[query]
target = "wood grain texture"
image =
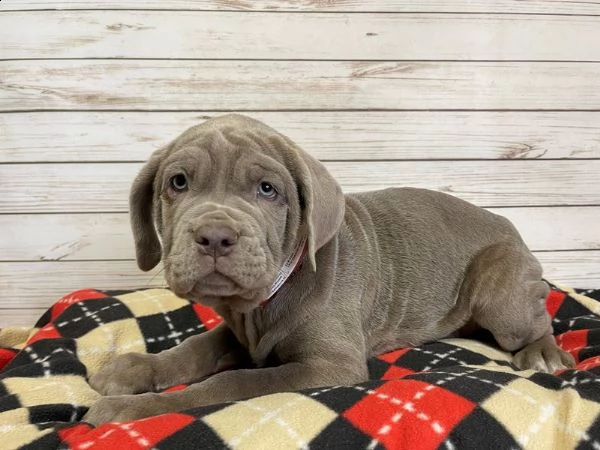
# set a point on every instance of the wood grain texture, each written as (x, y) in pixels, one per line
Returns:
(225, 35)
(20, 317)
(40, 284)
(471, 6)
(497, 102)
(99, 187)
(132, 136)
(309, 85)
(66, 237)
(85, 236)
(577, 269)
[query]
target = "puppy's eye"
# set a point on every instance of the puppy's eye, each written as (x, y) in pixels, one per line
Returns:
(267, 191)
(178, 182)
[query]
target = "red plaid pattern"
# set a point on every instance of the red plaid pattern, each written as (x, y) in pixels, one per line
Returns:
(450, 394)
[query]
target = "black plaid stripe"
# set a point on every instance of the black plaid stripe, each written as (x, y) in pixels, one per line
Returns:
(438, 355)
(596, 372)
(583, 322)
(48, 356)
(591, 293)
(44, 320)
(8, 401)
(340, 398)
(586, 383)
(341, 434)
(473, 384)
(206, 410)
(591, 439)
(3, 390)
(165, 330)
(377, 368)
(547, 381)
(119, 292)
(593, 344)
(195, 435)
(56, 412)
(566, 317)
(49, 441)
(82, 317)
(477, 431)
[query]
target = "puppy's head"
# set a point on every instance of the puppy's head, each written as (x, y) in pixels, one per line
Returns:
(225, 204)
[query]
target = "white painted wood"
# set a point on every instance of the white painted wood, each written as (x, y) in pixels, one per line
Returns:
(132, 136)
(471, 6)
(556, 228)
(506, 131)
(577, 269)
(63, 188)
(20, 317)
(65, 237)
(40, 284)
(225, 35)
(107, 236)
(274, 85)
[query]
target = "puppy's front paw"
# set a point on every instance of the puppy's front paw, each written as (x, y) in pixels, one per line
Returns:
(123, 408)
(543, 355)
(108, 409)
(131, 373)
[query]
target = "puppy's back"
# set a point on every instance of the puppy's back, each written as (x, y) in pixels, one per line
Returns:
(431, 218)
(422, 242)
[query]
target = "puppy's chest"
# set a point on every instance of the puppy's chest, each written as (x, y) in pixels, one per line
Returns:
(253, 335)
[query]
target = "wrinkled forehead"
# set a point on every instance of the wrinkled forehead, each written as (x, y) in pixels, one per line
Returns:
(235, 134)
(221, 147)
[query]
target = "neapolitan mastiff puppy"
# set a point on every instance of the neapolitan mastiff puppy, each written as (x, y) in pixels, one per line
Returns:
(310, 282)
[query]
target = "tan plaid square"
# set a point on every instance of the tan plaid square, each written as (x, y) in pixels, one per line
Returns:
(71, 389)
(281, 421)
(16, 436)
(101, 344)
(152, 301)
(488, 351)
(538, 417)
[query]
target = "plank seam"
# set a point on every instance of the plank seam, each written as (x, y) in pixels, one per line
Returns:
(407, 160)
(300, 110)
(337, 12)
(388, 60)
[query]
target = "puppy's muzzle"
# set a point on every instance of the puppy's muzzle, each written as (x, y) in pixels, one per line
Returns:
(215, 239)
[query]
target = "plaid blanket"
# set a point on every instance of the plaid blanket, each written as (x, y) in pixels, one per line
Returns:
(452, 394)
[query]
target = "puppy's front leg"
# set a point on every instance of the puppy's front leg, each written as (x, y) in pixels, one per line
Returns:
(195, 358)
(225, 386)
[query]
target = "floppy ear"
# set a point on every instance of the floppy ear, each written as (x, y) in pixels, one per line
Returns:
(324, 204)
(141, 206)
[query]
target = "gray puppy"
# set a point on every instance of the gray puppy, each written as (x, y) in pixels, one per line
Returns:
(310, 282)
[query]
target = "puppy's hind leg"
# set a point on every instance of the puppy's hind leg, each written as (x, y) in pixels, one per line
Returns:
(508, 297)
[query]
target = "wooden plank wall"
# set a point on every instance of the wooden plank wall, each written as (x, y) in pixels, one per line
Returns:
(497, 102)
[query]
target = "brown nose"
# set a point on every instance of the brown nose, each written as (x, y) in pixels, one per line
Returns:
(217, 240)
